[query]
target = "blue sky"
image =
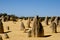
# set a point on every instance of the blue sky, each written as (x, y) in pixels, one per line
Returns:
(30, 7)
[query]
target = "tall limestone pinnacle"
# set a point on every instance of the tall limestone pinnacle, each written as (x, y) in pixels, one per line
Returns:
(37, 28)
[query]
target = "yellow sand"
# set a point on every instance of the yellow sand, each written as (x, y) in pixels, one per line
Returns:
(16, 34)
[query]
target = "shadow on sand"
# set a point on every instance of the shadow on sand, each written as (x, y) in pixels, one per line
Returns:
(46, 36)
(57, 32)
(7, 32)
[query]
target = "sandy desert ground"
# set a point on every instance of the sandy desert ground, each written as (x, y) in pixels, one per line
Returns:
(16, 34)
